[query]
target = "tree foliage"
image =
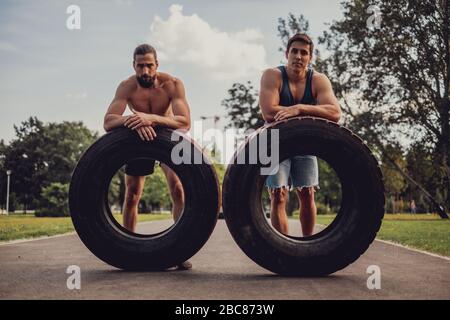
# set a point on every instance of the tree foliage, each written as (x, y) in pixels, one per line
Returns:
(393, 81)
(156, 193)
(242, 107)
(54, 201)
(42, 154)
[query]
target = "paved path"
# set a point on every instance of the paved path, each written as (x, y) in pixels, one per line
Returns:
(37, 270)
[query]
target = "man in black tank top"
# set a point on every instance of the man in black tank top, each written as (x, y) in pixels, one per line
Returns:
(290, 91)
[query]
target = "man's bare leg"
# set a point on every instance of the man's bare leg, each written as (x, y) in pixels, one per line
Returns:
(308, 210)
(133, 192)
(177, 196)
(176, 192)
(278, 216)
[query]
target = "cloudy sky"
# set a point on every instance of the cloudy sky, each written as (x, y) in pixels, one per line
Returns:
(59, 74)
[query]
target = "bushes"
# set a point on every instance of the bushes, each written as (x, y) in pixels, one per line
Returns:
(55, 201)
(323, 208)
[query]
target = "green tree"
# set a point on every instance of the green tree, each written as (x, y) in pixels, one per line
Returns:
(116, 192)
(394, 80)
(25, 162)
(42, 154)
(330, 192)
(420, 168)
(290, 26)
(394, 183)
(3, 175)
(242, 107)
(156, 193)
(55, 202)
(64, 144)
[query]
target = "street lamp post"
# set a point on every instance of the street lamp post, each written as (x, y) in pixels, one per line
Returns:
(8, 172)
(216, 119)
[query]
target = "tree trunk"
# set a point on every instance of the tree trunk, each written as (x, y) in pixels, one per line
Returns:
(445, 114)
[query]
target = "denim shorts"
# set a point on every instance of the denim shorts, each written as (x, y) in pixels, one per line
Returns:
(303, 172)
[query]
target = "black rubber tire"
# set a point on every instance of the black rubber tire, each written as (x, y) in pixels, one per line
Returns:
(353, 229)
(113, 244)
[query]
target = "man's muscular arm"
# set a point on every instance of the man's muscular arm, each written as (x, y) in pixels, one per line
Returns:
(114, 116)
(181, 113)
(326, 101)
(269, 98)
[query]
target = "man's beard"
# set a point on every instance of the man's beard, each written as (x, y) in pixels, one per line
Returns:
(146, 81)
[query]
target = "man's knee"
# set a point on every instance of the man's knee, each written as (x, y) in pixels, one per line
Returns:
(132, 196)
(278, 195)
(306, 192)
(306, 195)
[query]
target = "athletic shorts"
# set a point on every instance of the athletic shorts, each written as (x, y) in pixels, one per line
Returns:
(140, 167)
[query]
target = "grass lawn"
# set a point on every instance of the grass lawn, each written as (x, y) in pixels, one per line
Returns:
(19, 226)
(422, 231)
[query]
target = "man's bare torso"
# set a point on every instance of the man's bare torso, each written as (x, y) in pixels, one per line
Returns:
(155, 100)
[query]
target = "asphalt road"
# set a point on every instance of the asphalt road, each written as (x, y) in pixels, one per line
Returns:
(37, 270)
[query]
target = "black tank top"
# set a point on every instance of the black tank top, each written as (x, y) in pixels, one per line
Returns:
(286, 97)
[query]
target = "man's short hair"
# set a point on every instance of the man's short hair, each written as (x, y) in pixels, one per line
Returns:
(143, 49)
(301, 37)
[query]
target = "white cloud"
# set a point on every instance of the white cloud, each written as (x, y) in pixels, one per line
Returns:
(223, 55)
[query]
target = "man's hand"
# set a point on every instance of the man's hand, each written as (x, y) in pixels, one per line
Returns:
(146, 133)
(138, 120)
(287, 112)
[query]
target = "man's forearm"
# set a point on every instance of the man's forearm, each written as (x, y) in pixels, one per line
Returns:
(113, 121)
(327, 111)
(175, 122)
(270, 116)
